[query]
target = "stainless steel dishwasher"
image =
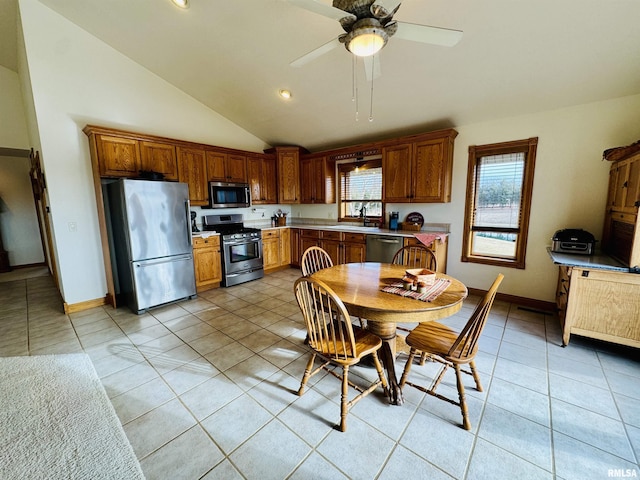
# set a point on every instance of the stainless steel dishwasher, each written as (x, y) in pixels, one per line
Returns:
(382, 248)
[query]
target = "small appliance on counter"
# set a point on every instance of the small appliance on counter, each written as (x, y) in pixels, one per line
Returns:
(573, 240)
(393, 220)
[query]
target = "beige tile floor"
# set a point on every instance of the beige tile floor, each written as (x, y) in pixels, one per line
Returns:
(206, 389)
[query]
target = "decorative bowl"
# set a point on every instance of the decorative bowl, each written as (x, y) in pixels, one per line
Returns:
(421, 275)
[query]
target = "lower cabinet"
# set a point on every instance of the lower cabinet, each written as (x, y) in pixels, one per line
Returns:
(344, 247)
(276, 248)
(600, 304)
(207, 261)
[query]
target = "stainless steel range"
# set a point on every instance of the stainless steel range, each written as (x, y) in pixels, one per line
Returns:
(241, 248)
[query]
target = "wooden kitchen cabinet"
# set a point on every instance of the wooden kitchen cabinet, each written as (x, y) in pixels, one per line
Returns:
(602, 304)
(344, 247)
(285, 246)
(621, 233)
(261, 175)
(419, 170)
(317, 180)
(295, 247)
(207, 262)
(226, 167)
(288, 167)
(192, 170)
(159, 157)
(308, 238)
(276, 248)
(118, 157)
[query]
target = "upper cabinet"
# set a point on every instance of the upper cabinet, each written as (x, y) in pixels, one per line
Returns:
(192, 169)
(288, 167)
(159, 157)
(261, 175)
(317, 179)
(119, 157)
(419, 169)
(226, 167)
(621, 234)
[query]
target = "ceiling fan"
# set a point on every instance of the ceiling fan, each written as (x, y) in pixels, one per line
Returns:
(368, 25)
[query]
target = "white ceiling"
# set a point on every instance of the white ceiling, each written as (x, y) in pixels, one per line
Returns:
(515, 57)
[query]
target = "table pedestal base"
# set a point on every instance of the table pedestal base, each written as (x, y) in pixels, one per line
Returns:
(387, 332)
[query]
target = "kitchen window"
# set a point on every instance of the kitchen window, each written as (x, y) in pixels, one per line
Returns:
(499, 184)
(360, 188)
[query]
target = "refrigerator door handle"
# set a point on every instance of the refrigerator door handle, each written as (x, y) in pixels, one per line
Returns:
(156, 261)
(187, 209)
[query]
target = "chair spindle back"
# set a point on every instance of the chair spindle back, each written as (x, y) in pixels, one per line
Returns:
(314, 259)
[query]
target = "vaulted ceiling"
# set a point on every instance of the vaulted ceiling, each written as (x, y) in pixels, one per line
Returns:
(515, 57)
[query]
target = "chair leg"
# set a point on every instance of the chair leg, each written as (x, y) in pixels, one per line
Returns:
(476, 377)
(423, 357)
(307, 374)
(383, 379)
(344, 401)
(463, 403)
(407, 367)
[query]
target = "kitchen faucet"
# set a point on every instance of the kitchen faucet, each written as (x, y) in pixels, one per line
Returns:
(363, 214)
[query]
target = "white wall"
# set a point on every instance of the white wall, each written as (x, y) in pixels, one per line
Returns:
(569, 190)
(18, 221)
(20, 232)
(77, 80)
(13, 127)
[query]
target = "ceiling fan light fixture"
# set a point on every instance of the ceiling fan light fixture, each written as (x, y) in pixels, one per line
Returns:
(366, 38)
(181, 3)
(366, 44)
(286, 94)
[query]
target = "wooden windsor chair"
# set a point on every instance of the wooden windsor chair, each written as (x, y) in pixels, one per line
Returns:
(443, 344)
(334, 339)
(416, 256)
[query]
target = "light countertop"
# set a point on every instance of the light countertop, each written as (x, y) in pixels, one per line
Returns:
(597, 261)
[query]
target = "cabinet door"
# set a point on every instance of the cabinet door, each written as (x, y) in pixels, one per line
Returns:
(333, 248)
(206, 257)
(192, 170)
(159, 157)
(396, 173)
(236, 168)
(285, 246)
(254, 178)
(216, 166)
(288, 175)
(271, 252)
(431, 169)
(632, 186)
(307, 181)
(268, 184)
(296, 252)
(118, 157)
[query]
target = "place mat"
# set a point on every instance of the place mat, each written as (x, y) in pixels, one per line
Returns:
(440, 285)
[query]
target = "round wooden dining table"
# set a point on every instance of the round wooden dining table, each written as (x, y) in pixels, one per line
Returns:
(359, 286)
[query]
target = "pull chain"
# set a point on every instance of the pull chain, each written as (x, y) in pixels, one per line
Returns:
(373, 60)
(354, 86)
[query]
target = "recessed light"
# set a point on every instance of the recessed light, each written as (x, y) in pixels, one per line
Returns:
(181, 3)
(286, 94)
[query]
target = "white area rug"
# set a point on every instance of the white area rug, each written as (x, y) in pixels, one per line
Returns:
(56, 422)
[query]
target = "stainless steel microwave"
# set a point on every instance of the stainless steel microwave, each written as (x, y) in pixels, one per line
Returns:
(229, 195)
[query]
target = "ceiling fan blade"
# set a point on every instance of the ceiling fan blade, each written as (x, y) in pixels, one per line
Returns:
(383, 8)
(372, 67)
(426, 34)
(313, 54)
(323, 9)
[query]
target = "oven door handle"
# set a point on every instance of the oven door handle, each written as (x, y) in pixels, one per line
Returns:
(241, 242)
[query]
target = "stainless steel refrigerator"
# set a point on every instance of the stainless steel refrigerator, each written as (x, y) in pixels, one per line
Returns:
(150, 236)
